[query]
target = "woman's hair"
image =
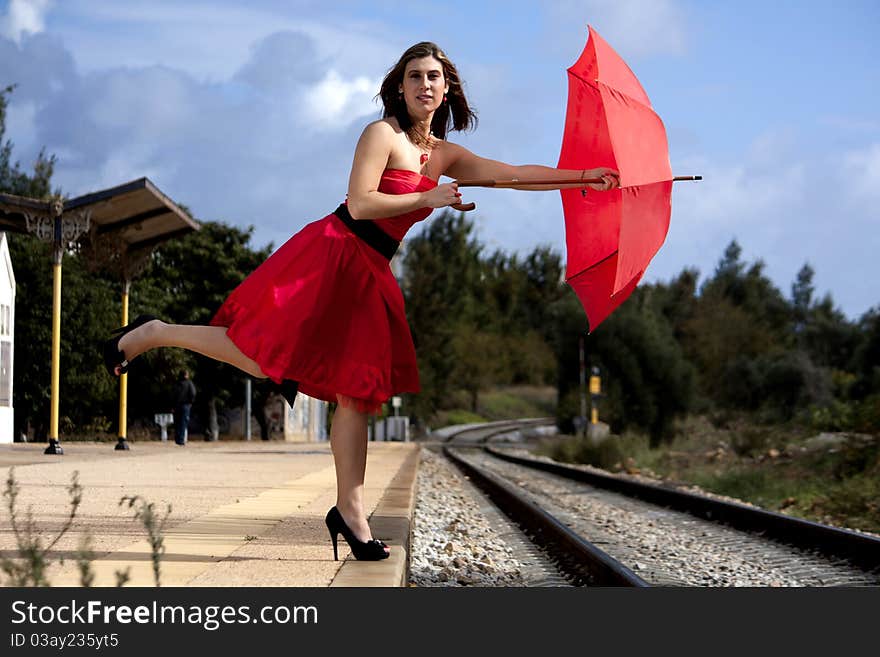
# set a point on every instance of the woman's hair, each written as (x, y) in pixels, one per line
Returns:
(454, 114)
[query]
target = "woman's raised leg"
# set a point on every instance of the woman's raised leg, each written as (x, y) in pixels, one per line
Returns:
(210, 341)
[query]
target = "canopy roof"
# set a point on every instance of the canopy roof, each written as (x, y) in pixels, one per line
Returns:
(136, 213)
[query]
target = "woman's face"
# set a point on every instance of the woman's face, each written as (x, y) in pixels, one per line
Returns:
(423, 85)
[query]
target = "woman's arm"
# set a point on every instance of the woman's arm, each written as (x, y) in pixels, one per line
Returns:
(461, 164)
(370, 159)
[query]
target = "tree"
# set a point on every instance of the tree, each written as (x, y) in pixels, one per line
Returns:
(651, 381)
(829, 337)
(866, 360)
(441, 272)
(186, 282)
(479, 360)
(802, 298)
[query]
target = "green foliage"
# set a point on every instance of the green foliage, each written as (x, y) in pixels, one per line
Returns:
(458, 416)
(646, 381)
(28, 566)
(185, 282)
(606, 454)
(517, 401)
(866, 359)
(477, 321)
(441, 270)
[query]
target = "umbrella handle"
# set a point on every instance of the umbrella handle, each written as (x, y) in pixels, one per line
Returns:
(516, 182)
(464, 207)
(503, 184)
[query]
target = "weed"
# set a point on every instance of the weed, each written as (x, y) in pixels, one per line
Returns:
(84, 558)
(145, 512)
(123, 576)
(29, 568)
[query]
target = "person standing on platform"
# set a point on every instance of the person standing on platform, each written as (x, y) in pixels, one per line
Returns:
(184, 396)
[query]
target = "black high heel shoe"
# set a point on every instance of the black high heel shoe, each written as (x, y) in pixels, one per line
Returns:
(113, 357)
(372, 550)
(287, 389)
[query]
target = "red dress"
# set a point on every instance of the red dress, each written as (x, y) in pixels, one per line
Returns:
(325, 310)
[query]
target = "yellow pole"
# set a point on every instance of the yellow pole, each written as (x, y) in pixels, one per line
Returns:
(595, 390)
(56, 349)
(123, 379)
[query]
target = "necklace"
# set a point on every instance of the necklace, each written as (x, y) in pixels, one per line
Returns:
(422, 143)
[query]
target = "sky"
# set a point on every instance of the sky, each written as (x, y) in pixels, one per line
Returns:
(249, 112)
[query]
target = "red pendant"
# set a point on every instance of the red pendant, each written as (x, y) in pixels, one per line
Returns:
(423, 158)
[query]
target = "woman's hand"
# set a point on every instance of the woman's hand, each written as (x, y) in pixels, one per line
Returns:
(610, 177)
(442, 195)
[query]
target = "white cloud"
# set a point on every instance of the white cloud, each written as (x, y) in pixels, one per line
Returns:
(739, 195)
(335, 99)
(24, 17)
(862, 172)
(212, 41)
(20, 124)
(636, 28)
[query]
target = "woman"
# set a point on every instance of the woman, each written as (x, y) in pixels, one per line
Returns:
(324, 312)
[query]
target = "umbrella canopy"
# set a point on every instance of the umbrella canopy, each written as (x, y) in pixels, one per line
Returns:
(612, 236)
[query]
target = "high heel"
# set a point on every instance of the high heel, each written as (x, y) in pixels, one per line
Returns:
(287, 388)
(114, 358)
(372, 550)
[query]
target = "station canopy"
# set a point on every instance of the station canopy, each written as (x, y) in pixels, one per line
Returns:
(115, 224)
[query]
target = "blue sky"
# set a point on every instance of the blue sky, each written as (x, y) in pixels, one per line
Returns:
(248, 112)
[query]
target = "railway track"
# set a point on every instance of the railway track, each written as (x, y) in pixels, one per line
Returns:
(608, 530)
(483, 432)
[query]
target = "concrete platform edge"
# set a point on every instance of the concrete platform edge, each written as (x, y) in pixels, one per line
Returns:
(391, 521)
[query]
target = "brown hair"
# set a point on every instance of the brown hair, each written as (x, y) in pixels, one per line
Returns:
(454, 114)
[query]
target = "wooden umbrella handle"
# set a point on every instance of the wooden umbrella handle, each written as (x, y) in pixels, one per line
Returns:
(515, 182)
(506, 184)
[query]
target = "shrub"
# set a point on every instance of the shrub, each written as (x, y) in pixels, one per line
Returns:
(837, 416)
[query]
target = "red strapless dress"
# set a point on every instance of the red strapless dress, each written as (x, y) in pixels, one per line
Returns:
(326, 311)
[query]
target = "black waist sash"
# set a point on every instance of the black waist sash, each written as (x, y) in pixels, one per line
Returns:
(369, 232)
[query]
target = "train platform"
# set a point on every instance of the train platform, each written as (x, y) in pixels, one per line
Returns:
(242, 513)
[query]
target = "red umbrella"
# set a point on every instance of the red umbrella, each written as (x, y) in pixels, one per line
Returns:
(610, 236)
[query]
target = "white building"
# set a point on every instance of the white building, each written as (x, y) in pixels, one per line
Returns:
(306, 421)
(7, 340)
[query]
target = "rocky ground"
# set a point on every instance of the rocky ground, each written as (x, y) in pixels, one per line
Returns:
(453, 543)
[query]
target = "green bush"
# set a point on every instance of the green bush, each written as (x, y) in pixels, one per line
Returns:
(837, 416)
(501, 405)
(868, 415)
(576, 449)
(456, 416)
(751, 442)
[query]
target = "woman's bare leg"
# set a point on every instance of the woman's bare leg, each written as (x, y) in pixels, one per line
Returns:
(348, 435)
(348, 438)
(210, 341)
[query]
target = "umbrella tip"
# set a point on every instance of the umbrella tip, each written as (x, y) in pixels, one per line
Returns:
(698, 177)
